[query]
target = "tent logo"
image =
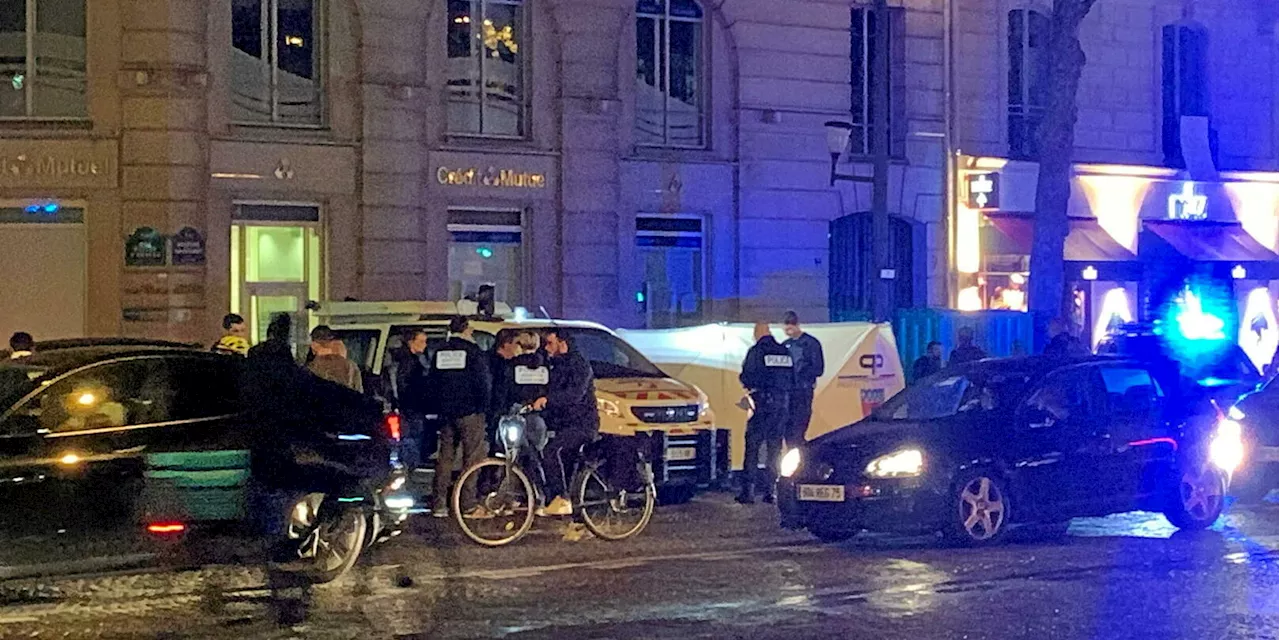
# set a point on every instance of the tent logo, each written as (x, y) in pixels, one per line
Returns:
(871, 361)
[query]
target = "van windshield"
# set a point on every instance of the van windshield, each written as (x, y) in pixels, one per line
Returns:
(610, 356)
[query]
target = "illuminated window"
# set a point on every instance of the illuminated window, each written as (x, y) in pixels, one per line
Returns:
(862, 33)
(670, 102)
(42, 58)
(275, 62)
(1028, 80)
(1182, 84)
(486, 67)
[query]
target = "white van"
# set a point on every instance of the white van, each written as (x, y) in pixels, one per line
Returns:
(634, 397)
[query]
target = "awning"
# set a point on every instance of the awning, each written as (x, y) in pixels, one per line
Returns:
(1209, 242)
(1008, 235)
(1086, 240)
(1089, 242)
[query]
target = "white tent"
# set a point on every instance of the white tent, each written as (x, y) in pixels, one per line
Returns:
(863, 370)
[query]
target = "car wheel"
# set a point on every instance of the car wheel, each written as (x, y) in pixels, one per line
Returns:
(1198, 501)
(827, 534)
(981, 509)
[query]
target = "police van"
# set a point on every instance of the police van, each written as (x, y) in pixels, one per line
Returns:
(634, 397)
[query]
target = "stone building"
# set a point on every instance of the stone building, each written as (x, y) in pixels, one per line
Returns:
(639, 163)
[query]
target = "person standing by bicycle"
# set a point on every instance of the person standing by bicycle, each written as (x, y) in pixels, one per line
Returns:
(768, 376)
(520, 376)
(459, 377)
(570, 409)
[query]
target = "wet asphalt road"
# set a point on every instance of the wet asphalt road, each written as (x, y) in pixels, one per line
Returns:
(713, 569)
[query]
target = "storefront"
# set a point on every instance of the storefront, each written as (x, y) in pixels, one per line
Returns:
(281, 230)
(59, 210)
(1140, 239)
(501, 222)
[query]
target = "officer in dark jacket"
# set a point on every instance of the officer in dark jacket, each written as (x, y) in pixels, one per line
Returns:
(768, 376)
(570, 410)
(461, 387)
(806, 354)
(520, 372)
(406, 384)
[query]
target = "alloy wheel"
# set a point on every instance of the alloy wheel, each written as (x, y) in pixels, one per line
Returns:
(1201, 494)
(982, 508)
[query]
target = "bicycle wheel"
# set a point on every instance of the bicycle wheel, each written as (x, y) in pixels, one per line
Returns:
(507, 497)
(612, 514)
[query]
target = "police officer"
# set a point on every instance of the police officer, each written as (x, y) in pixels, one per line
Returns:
(806, 354)
(459, 377)
(768, 376)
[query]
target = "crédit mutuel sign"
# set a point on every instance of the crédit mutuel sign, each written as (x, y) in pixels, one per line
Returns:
(490, 177)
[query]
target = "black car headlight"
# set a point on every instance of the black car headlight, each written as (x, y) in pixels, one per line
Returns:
(905, 463)
(790, 463)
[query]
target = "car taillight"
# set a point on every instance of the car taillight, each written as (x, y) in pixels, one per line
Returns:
(166, 527)
(393, 426)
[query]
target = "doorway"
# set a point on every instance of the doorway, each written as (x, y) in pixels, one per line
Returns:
(671, 253)
(275, 266)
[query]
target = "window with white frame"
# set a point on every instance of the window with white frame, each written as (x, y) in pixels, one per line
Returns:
(276, 64)
(1184, 90)
(670, 87)
(1028, 80)
(863, 58)
(42, 59)
(486, 67)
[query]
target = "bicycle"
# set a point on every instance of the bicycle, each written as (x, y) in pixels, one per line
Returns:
(510, 498)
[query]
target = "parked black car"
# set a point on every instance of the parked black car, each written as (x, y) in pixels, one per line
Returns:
(1258, 415)
(122, 447)
(977, 449)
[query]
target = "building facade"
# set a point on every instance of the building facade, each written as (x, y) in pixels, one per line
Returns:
(642, 163)
(635, 162)
(1176, 195)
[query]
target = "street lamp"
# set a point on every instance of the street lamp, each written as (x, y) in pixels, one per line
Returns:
(838, 134)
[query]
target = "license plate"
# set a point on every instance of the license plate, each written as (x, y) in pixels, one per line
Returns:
(682, 453)
(1268, 454)
(822, 493)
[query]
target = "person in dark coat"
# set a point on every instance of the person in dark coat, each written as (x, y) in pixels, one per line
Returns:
(768, 376)
(570, 410)
(1061, 341)
(806, 354)
(406, 381)
(966, 350)
(929, 363)
(462, 388)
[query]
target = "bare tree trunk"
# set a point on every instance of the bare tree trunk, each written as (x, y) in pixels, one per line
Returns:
(1048, 293)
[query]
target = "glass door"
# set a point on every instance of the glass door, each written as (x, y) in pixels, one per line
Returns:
(275, 269)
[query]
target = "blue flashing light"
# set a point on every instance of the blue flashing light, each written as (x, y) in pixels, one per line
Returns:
(48, 207)
(640, 297)
(52, 207)
(1194, 323)
(484, 252)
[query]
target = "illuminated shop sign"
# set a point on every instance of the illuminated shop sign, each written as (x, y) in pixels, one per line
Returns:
(984, 190)
(1187, 204)
(490, 177)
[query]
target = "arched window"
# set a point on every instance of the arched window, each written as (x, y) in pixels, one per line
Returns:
(1183, 85)
(1028, 80)
(670, 105)
(486, 67)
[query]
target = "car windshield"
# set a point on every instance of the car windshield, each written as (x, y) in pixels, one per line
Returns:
(949, 393)
(610, 356)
